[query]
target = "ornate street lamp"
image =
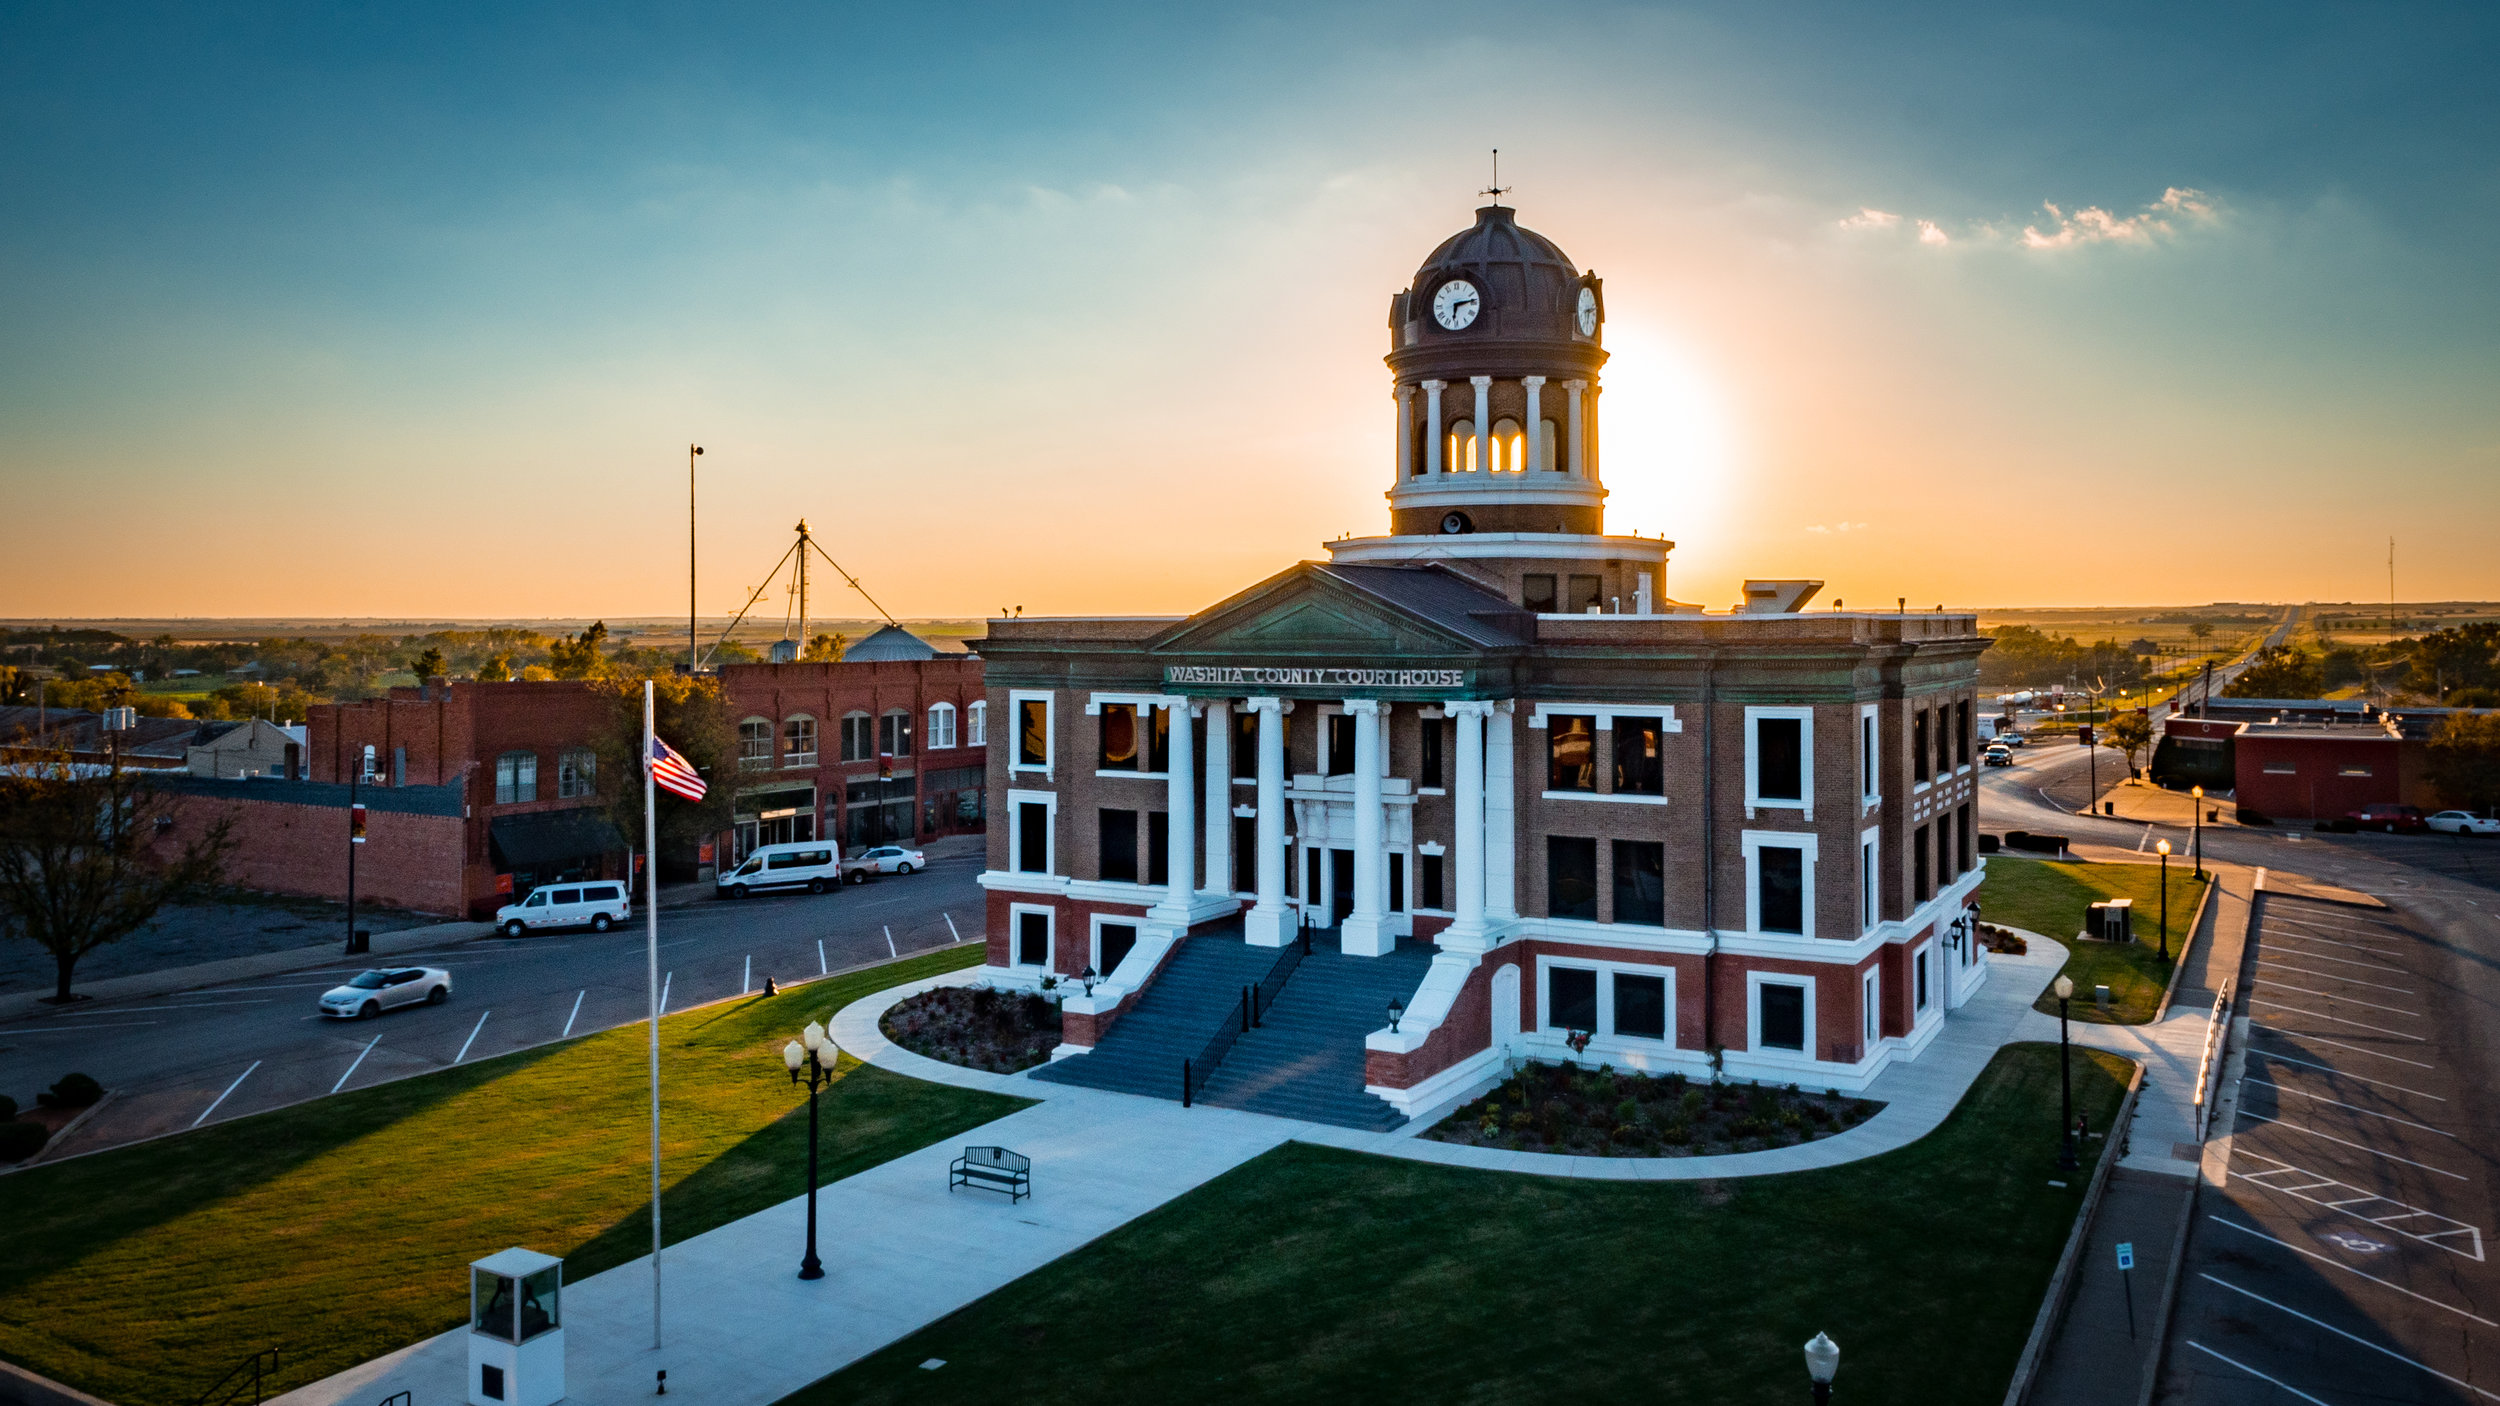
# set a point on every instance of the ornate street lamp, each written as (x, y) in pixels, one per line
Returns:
(1397, 1009)
(1822, 1364)
(2162, 848)
(2065, 989)
(2198, 794)
(814, 1054)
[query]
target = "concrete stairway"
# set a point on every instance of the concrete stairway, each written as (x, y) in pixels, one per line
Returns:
(1195, 994)
(1305, 1059)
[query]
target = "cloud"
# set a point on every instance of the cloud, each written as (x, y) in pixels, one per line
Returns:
(1871, 218)
(2178, 208)
(1826, 529)
(1928, 233)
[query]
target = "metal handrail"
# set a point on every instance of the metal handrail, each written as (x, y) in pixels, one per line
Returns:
(2217, 1028)
(1263, 996)
(1196, 1072)
(234, 1383)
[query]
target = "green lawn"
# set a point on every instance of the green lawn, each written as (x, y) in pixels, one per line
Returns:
(1313, 1274)
(337, 1230)
(2049, 897)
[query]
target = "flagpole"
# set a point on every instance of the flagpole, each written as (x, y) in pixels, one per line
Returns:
(651, 946)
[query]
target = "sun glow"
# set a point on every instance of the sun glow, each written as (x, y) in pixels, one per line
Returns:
(1667, 439)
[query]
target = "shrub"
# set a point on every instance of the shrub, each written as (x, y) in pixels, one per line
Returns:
(74, 1091)
(21, 1140)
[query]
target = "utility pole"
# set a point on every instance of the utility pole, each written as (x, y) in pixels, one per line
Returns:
(2391, 585)
(693, 452)
(804, 542)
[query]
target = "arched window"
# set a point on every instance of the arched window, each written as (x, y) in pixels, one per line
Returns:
(859, 737)
(516, 778)
(577, 773)
(798, 740)
(1460, 453)
(941, 725)
(755, 744)
(977, 725)
(1510, 447)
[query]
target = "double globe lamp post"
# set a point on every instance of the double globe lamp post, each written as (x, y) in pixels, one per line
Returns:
(810, 1059)
(2162, 848)
(2065, 989)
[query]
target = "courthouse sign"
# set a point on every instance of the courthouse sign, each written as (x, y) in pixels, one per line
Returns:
(1251, 677)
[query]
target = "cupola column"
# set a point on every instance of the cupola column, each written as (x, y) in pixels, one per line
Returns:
(1432, 415)
(1597, 433)
(1406, 432)
(1579, 438)
(1269, 923)
(1484, 422)
(1366, 932)
(1536, 423)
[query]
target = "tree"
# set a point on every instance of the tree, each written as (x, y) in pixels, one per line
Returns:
(2278, 671)
(577, 656)
(825, 649)
(497, 669)
(2129, 732)
(2203, 630)
(431, 664)
(80, 861)
(2465, 759)
(693, 716)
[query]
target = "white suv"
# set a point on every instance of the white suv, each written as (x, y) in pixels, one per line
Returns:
(598, 904)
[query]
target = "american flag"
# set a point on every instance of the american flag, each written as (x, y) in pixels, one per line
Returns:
(673, 773)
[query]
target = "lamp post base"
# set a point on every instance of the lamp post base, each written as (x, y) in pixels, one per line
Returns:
(811, 1268)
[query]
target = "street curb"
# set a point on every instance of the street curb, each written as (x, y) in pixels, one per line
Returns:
(20, 1387)
(54, 1141)
(2062, 1283)
(2178, 965)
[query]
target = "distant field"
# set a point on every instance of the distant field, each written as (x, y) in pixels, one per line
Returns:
(657, 633)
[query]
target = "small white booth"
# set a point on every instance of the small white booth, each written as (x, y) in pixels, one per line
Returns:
(516, 1329)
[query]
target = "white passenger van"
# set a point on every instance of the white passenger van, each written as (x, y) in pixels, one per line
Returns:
(814, 865)
(597, 904)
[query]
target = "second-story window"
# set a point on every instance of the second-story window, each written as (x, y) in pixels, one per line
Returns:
(1640, 757)
(894, 734)
(798, 741)
(1570, 752)
(941, 725)
(1918, 747)
(1033, 732)
(755, 745)
(1119, 738)
(1779, 751)
(1961, 733)
(1428, 772)
(977, 725)
(859, 737)
(516, 778)
(577, 773)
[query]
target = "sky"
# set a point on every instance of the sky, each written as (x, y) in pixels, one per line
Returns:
(413, 311)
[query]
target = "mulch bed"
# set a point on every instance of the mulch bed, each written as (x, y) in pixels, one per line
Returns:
(976, 1027)
(1623, 1113)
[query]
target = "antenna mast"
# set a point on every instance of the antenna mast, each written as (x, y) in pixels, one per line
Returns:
(1497, 190)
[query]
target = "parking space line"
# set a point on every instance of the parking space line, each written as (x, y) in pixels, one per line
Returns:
(2339, 1103)
(2276, 1381)
(2322, 957)
(2348, 1269)
(2357, 1146)
(2349, 1000)
(360, 1059)
(266, 986)
(576, 1015)
(2339, 1020)
(2363, 1204)
(464, 1045)
(2315, 1038)
(746, 975)
(221, 1098)
(665, 983)
(821, 968)
(2365, 1342)
(2339, 1073)
(2281, 965)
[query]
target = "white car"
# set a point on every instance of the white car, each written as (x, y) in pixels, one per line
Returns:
(598, 904)
(368, 994)
(889, 859)
(2463, 822)
(2012, 739)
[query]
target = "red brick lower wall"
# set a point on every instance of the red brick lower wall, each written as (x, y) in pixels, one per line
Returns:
(1072, 927)
(407, 861)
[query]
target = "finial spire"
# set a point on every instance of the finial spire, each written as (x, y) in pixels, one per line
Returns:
(1497, 190)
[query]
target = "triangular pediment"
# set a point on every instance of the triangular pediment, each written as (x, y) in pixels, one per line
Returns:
(1306, 613)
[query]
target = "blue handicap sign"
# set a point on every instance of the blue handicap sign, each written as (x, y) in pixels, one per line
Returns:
(2126, 1254)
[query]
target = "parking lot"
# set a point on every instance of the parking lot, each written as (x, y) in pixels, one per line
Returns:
(2345, 1258)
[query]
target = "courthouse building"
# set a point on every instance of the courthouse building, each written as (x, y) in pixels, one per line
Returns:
(1485, 754)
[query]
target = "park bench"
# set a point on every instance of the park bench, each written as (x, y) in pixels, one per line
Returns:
(993, 1169)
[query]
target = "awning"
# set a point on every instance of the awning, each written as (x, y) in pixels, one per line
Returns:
(552, 837)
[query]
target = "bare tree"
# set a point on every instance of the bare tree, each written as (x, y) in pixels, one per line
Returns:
(82, 861)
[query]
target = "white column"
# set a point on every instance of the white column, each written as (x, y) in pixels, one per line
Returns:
(1432, 417)
(1466, 932)
(1181, 829)
(1579, 442)
(1269, 924)
(1219, 879)
(1536, 423)
(1501, 898)
(1366, 932)
(1597, 434)
(1484, 422)
(1405, 398)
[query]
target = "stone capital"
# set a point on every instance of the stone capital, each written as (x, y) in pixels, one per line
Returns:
(1480, 380)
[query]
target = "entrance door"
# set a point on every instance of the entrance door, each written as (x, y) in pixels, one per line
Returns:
(1341, 874)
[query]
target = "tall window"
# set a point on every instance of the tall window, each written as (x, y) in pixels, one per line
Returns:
(1780, 894)
(1246, 744)
(1428, 772)
(977, 725)
(1570, 752)
(941, 725)
(1641, 882)
(1866, 756)
(1867, 882)
(1921, 876)
(1032, 837)
(516, 778)
(1640, 763)
(1570, 877)
(1033, 732)
(1779, 750)
(1340, 745)
(859, 737)
(1119, 737)
(755, 744)
(1918, 747)
(1510, 447)
(577, 773)
(1032, 939)
(1158, 848)
(1458, 456)
(1158, 728)
(1944, 740)
(1117, 831)
(798, 740)
(1961, 733)
(1428, 880)
(1537, 593)
(894, 733)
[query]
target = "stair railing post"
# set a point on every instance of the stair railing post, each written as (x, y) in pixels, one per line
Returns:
(1184, 1083)
(1245, 1010)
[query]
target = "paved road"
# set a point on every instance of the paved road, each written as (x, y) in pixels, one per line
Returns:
(224, 1051)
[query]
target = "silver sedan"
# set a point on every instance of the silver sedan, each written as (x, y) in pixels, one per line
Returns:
(369, 993)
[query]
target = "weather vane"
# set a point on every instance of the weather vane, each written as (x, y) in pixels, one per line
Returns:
(1497, 190)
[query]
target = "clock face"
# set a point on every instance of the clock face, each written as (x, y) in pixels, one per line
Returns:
(1588, 312)
(1456, 304)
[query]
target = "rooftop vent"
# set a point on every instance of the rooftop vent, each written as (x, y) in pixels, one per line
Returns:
(1776, 597)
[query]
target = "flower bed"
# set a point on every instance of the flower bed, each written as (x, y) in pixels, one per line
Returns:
(1609, 1113)
(976, 1027)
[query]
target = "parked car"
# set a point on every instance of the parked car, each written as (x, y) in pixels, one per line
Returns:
(889, 859)
(814, 865)
(597, 905)
(2012, 739)
(2463, 822)
(1997, 756)
(369, 993)
(2392, 819)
